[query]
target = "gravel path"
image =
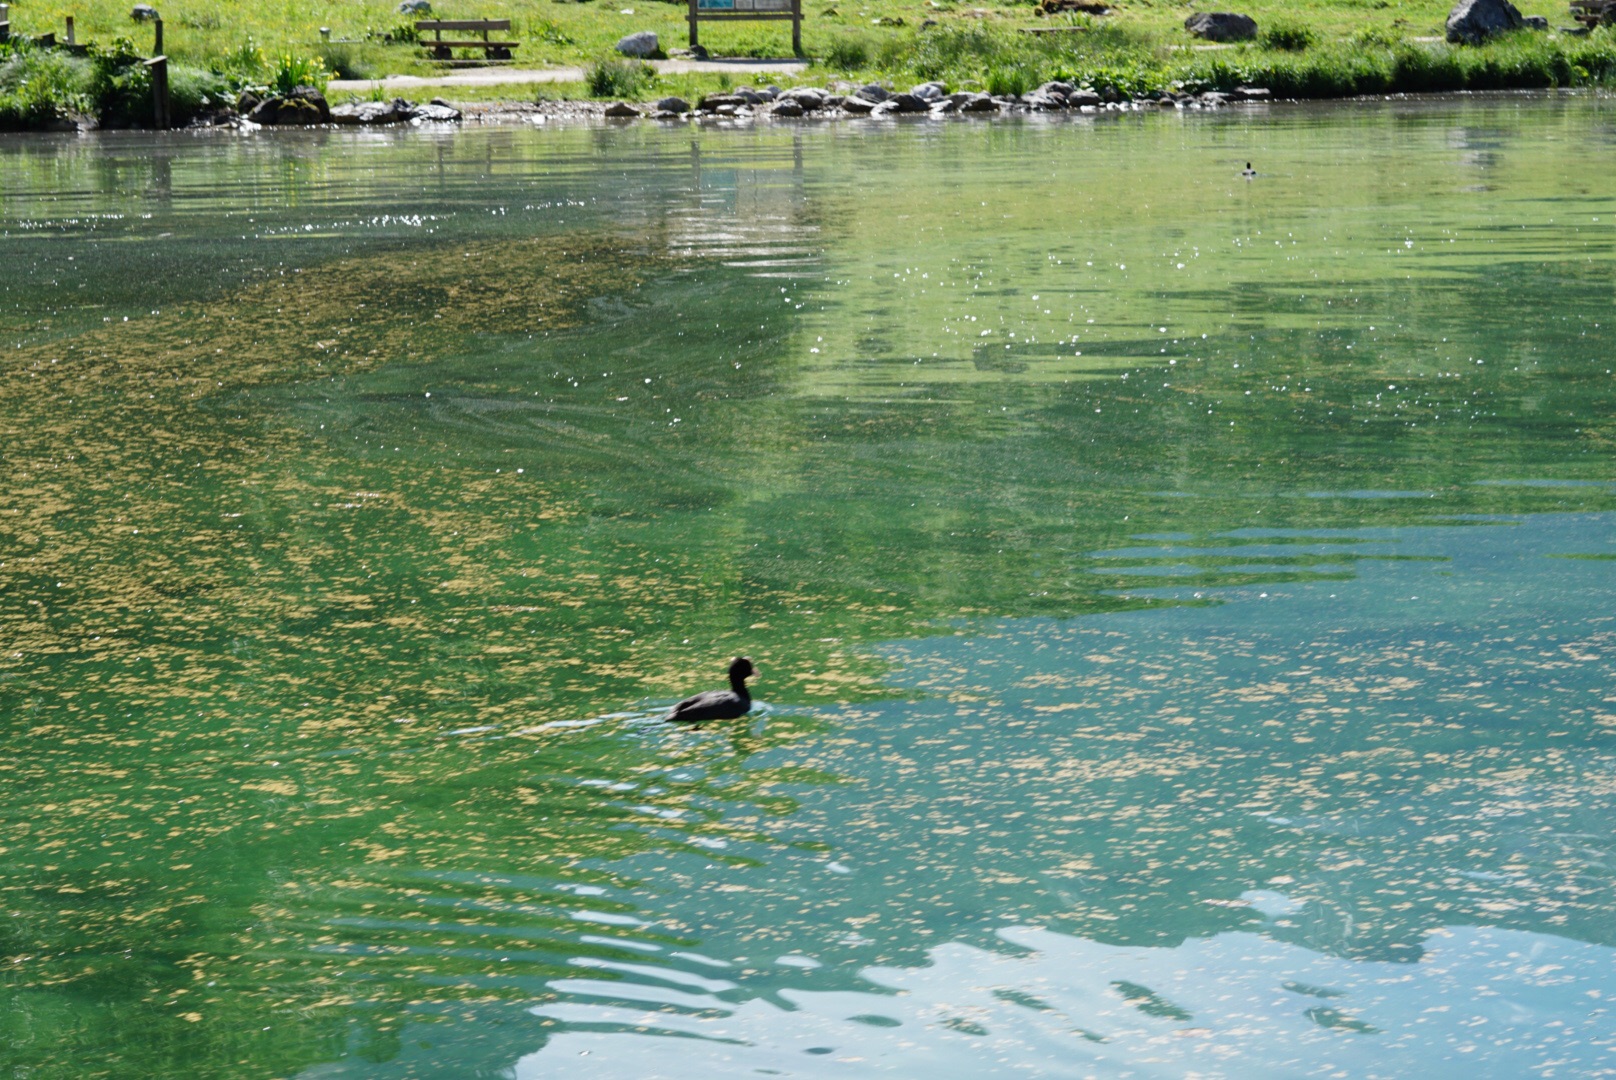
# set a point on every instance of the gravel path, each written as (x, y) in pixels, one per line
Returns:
(496, 76)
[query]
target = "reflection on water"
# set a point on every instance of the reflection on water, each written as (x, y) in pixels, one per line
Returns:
(1182, 603)
(1310, 794)
(1481, 1001)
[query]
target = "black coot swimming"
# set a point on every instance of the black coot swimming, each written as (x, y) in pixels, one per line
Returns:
(718, 704)
(1248, 172)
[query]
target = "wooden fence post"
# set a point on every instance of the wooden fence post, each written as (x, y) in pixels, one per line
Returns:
(158, 66)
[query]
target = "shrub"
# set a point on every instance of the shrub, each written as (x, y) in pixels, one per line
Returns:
(1127, 79)
(38, 87)
(1287, 37)
(192, 91)
(1011, 80)
(847, 54)
(345, 62)
(120, 85)
(1376, 38)
(402, 34)
(289, 72)
(242, 66)
(618, 77)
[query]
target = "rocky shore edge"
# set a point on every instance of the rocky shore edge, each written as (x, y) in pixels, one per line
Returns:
(306, 107)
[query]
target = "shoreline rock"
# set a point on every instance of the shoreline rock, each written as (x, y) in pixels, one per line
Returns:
(816, 105)
(1471, 22)
(1221, 26)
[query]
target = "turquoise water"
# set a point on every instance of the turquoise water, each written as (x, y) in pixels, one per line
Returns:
(1182, 602)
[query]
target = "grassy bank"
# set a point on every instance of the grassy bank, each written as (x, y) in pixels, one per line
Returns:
(1323, 48)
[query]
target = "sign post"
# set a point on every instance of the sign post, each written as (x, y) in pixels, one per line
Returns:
(749, 10)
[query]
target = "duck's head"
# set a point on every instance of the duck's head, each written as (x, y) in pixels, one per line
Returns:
(741, 668)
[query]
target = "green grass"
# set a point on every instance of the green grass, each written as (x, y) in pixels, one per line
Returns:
(1307, 48)
(619, 77)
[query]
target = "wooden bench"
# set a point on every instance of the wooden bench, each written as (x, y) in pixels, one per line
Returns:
(439, 46)
(1591, 13)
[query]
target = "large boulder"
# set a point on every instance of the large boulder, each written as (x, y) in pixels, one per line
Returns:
(1221, 26)
(396, 111)
(437, 111)
(642, 44)
(1473, 21)
(809, 97)
(302, 106)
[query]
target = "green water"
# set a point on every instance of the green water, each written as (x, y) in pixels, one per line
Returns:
(1184, 603)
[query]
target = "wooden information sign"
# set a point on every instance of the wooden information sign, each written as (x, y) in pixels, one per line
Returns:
(754, 10)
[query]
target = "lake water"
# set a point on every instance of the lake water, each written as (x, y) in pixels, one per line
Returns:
(1185, 605)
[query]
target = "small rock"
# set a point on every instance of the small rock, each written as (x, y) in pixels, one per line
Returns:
(1078, 99)
(944, 106)
(714, 102)
(437, 112)
(143, 13)
(786, 107)
(771, 92)
(1221, 26)
(1044, 102)
(809, 97)
(1064, 89)
(908, 103)
(675, 105)
(1250, 93)
(979, 103)
(1473, 21)
(641, 44)
(873, 93)
(1535, 22)
(858, 106)
(729, 110)
(415, 7)
(884, 108)
(929, 91)
(622, 110)
(751, 97)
